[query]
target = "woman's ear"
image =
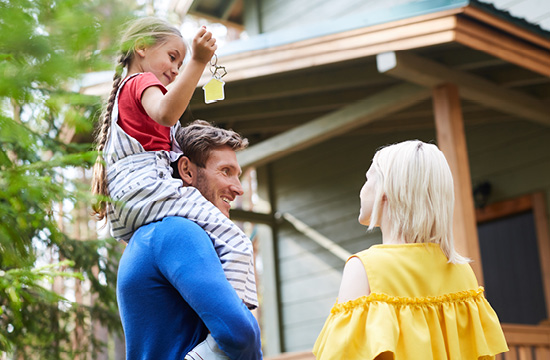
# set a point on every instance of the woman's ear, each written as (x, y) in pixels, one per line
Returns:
(187, 170)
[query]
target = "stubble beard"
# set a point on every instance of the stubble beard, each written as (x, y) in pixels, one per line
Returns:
(202, 186)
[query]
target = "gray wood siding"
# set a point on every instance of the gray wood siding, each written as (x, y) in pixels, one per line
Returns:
(285, 14)
(321, 185)
(514, 158)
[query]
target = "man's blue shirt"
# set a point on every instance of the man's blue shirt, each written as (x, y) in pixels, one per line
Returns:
(172, 291)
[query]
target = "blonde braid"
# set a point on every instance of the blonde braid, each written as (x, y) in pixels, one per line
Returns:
(148, 31)
(99, 178)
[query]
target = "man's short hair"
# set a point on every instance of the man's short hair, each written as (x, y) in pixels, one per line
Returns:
(199, 138)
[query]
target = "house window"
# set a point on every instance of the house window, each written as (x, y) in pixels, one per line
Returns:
(514, 246)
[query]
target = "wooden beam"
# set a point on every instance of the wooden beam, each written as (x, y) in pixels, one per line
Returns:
(237, 111)
(513, 78)
(463, 58)
(316, 80)
(527, 335)
(251, 216)
(336, 123)
(502, 45)
(452, 141)
(504, 208)
(317, 237)
(478, 30)
(411, 33)
(506, 26)
(185, 7)
(229, 5)
(429, 73)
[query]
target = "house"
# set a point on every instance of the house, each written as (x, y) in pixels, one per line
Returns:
(319, 85)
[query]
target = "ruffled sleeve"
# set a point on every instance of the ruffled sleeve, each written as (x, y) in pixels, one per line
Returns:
(455, 326)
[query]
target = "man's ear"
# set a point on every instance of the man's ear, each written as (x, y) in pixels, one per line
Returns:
(187, 170)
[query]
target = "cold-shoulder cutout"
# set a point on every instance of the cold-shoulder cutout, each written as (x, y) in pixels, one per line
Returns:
(355, 281)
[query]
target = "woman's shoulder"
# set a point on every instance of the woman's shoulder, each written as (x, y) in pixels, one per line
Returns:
(354, 281)
(365, 252)
(399, 250)
(369, 253)
(364, 258)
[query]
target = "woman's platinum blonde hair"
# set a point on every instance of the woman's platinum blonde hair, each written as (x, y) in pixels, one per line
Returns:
(416, 181)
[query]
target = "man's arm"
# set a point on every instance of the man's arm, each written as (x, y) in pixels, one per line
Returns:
(191, 264)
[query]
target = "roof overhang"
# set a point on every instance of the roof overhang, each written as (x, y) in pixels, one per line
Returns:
(278, 52)
(278, 82)
(278, 91)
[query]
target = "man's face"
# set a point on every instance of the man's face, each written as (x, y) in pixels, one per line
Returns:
(219, 180)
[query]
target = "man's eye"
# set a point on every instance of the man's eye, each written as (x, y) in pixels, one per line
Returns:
(172, 57)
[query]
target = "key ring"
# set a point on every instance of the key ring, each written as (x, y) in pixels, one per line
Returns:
(214, 68)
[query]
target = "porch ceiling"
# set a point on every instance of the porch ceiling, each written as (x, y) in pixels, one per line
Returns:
(289, 96)
(262, 107)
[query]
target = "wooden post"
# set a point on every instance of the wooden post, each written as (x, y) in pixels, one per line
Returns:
(272, 319)
(452, 141)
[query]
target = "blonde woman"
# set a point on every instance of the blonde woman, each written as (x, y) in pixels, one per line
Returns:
(413, 296)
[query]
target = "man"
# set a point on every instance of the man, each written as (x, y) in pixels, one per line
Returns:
(171, 288)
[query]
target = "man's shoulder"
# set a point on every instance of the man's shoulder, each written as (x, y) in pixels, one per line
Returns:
(170, 235)
(171, 224)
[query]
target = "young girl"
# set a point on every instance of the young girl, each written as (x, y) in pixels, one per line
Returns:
(136, 141)
(414, 296)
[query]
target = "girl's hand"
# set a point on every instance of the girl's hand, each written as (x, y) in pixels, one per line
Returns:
(204, 46)
(166, 109)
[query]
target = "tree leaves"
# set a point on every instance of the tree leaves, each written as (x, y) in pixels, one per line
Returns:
(45, 47)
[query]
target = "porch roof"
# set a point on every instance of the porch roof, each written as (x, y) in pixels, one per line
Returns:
(379, 15)
(273, 89)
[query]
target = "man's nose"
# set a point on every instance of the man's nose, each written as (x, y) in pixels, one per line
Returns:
(237, 188)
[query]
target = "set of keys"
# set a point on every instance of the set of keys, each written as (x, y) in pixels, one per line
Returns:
(214, 88)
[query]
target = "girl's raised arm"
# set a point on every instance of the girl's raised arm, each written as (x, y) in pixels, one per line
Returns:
(166, 109)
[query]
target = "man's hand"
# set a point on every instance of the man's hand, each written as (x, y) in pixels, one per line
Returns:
(204, 46)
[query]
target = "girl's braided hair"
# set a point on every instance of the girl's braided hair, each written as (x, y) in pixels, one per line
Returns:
(140, 33)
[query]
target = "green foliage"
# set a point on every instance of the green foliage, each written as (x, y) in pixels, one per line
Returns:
(45, 47)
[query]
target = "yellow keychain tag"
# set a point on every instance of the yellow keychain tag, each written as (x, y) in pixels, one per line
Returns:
(214, 88)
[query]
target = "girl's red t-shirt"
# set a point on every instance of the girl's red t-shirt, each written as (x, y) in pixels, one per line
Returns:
(133, 118)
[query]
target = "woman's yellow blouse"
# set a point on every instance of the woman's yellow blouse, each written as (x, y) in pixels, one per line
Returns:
(420, 307)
